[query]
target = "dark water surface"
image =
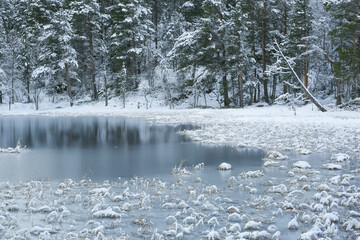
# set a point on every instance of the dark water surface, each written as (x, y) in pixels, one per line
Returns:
(104, 148)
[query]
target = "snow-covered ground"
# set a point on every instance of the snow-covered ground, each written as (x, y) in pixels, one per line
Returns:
(302, 129)
(307, 188)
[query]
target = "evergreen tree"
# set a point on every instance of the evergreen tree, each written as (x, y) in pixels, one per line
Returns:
(132, 30)
(346, 38)
(301, 38)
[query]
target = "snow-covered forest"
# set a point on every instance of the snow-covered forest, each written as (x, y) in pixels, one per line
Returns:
(179, 50)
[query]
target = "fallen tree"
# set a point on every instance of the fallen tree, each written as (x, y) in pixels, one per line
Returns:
(306, 91)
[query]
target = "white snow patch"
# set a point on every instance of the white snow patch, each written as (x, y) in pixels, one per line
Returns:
(224, 166)
(332, 166)
(301, 165)
(340, 157)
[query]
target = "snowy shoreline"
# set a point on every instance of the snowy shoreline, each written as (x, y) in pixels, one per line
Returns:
(278, 128)
(297, 197)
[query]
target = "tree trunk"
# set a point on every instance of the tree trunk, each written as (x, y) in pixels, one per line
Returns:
(223, 63)
(95, 96)
(67, 78)
(251, 96)
(265, 80)
(354, 80)
(28, 89)
(240, 93)
(105, 90)
(338, 92)
(155, 11)
(273, 94)
(1, 101)
(255, 95)
(134, 59)
(285, 18)
(226, 91)
(12, 79)
(284, 88)
(306, 71)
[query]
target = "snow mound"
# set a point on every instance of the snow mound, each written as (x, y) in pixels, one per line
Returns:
(303, 151)
(252, 225)
(275, 155)
(213, 235)
(224, 166)
(340, 157)
(199, 166)
(252, 174)
(331, 166)
(301, 164)
(17, 149)
(107, 213)
(278, 189)
(293, 224)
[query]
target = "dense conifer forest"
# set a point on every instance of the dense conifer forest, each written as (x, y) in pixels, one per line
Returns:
(197, 49)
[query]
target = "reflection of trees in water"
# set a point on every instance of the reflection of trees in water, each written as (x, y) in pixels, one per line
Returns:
(81, 132)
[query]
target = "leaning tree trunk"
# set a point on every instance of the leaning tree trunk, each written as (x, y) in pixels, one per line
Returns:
(306, 91)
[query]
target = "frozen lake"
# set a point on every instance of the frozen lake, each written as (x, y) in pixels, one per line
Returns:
(105, 148)
(133, 194)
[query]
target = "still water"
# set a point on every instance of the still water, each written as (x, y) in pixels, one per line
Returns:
(105, 148)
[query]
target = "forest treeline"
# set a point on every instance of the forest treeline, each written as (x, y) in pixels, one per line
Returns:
(101, 49)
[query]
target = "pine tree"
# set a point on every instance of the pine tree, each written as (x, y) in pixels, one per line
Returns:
(88, 12)
(346, 37)
(301, 38)
(132, 31)
(58, 57)
(239, 51)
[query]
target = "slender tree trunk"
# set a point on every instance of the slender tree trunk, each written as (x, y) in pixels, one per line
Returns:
(354, 80)
(12, 79)
(67, 78)
(285, 90)
(204, 94)
(226, 91)
(306, 71)
(285, 18)
(224, 79)
(255, 95)
(95, 96)
(194, 85)
(240, 93)
(251, 96)
(28, 89)
(258, 92)
(265, 80)
(1, 97)
(273, 95)
(105, 90)
(135, 59)
(338, 92)
(155, 11)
